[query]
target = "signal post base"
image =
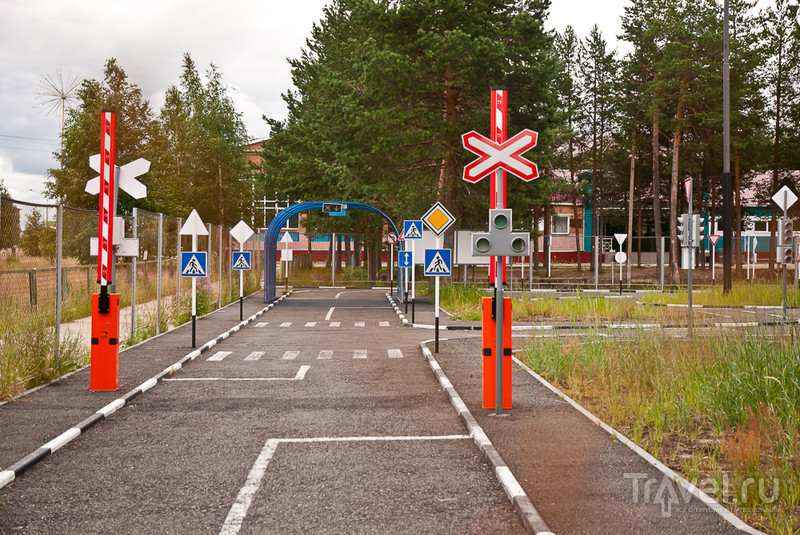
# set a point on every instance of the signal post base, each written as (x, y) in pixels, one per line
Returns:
(104, 367)
(489, 334)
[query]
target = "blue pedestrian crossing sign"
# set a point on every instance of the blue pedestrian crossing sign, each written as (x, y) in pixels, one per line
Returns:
(438, 263)
(405, 259)
(412, 229)
(241, 260)
(194, 264)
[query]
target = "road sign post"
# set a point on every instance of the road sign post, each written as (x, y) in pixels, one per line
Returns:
(785, 198)
(437, 261)
(194, 227)
(713, 238)
(241, 233)
(412, 230)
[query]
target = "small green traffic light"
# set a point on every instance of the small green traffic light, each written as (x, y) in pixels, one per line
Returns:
(500, 220)
(483, 245)
(518, 245)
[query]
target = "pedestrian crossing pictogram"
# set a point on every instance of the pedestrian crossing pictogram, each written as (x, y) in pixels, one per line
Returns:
(438, 263)
(241, 260)
(193, 264)
(412, 229)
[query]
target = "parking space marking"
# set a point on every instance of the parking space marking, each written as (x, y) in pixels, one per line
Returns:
(255, 355)
(360, 354)
(238, 512)
(335, 323)
(290, 355)
(286, 324)
(218, 356)
(395, 354)
(325, 354)
(299, 376)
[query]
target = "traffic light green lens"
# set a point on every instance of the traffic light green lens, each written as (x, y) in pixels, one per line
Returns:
(517, 245)
(500, 221)
(482, 245)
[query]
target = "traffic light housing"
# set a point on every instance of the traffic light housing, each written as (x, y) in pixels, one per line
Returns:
(500, 241)
(683, 230)
(697, 229)
(785, 234)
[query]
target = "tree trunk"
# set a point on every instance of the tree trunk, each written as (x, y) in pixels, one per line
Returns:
(657, 193)
(775, 163)
(675, 248)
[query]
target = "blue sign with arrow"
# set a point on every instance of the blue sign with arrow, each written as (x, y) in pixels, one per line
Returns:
(405, 259)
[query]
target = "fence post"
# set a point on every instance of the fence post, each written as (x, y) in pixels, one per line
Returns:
(135, 232)
(158, 273)
(59, 274)
(32, 287)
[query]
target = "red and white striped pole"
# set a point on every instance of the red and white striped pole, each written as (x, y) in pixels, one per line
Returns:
(499, 132)
(105, 256)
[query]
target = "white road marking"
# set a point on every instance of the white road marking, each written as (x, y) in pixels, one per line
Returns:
(395, 354)
(218, 356)
(286, 324)
(255, 355)
(360, 354)
(262, 324)
(384, 324)
(335, 323)
(238, 512)
(329, 314)
(325, 354)
(290, 355)
(299, 376)
(311, 324)
(359, 324)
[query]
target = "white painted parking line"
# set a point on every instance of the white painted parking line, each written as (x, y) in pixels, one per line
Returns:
(286, 324)
(311, 324)
(329, 314)
(299, 376)
(238, 512)
(255, 355)
(384, 324)
(360, 354)
(262, 324)
(395, 354)
(325, 354)
(335, 323)
(290, 355)
(218, 356)
(359, 324)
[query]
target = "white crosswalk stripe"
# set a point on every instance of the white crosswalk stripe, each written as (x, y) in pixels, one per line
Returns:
(286, 324)
(335, 323)
(360, 354)
(325, 354)
(290, 355)
(395, 354)
(255, 355)
(359, 324)
(384, 324)
(262, 324)
(311, 324)
(219, 355)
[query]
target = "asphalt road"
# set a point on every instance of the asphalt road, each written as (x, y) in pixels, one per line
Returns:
(320, 417)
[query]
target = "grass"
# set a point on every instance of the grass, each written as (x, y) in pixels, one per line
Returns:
(723, 407)
(755, 294)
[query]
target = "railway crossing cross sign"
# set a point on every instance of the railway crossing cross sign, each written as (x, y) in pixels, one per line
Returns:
(506, 155)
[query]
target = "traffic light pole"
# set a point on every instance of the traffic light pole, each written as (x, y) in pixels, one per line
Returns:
(690, 236)
(499, 305)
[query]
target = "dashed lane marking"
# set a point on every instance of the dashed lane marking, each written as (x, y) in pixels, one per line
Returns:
(218, 356)
(262, 324)
(329, 314)
(311, 324)
(336, 323)
(384, 324)
(290, 355)
(286, 324)
(360, 324)
(360, 354)
(325, 354)
(255, 355)
(395, 354)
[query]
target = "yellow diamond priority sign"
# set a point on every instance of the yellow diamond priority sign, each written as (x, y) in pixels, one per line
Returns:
(438, 219)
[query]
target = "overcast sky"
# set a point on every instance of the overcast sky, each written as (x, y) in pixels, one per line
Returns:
(249, 40)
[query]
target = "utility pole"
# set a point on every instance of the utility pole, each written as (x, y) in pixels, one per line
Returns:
(727, 190)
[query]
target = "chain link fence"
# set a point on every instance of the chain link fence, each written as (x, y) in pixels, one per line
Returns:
(47, 275)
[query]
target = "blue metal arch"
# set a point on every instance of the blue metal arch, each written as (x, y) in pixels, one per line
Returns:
(274, 230)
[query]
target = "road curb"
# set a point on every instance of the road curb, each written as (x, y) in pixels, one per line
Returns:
(712, 504)
(530, 517)
(18, 468)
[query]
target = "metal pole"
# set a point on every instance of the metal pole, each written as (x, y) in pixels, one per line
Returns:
(178, 275)
(334, 243)
(158, 271)
(135, 267)
(60, 277)
(690, 236)
(413, 279)
(727, 189)
(241, 288)
(661, 274)
(499, 306)
(219, 262)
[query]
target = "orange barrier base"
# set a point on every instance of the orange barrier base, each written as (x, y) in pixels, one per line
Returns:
(104, 368)
(489, 330)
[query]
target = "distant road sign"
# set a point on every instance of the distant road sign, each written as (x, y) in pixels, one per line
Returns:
(785, 198)
(713, 238)
(333, 208)
(194, 264)
(241, 232)
(194, 226)
(405, 259)
(620, 257)
(412, 229)
(506, 155)
(241, 260)
(621, 238)
(391, 238)
(438, 263)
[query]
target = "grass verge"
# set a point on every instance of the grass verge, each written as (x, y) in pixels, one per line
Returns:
(722, 410)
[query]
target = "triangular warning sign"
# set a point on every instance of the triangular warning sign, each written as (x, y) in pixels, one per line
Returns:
(241, 263)
(437, 265)
(193, 267)
(413, 232)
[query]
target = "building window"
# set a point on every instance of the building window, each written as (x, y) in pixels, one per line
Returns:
(559, 224)
(761, 226)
